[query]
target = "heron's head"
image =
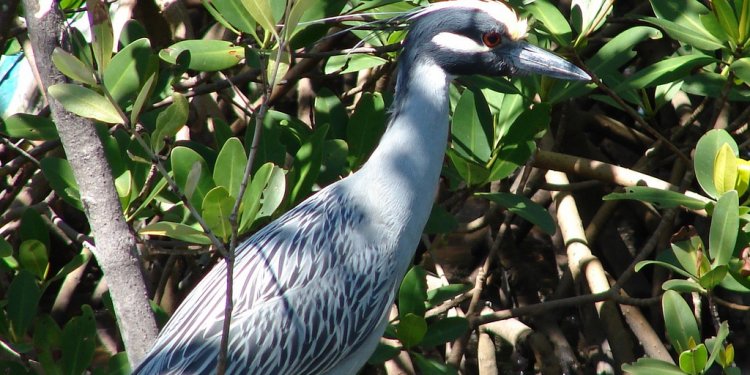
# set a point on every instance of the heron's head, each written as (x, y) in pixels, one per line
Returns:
(480, 37)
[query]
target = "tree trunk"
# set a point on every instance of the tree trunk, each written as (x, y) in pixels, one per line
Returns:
(115, 244)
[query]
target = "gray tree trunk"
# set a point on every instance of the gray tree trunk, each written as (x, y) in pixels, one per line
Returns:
(115, 244)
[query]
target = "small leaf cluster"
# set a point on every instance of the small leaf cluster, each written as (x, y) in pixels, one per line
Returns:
(414, 330)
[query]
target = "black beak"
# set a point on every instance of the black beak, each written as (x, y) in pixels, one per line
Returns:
(528, 58)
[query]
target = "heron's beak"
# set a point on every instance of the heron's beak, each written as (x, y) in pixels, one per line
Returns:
(529, 58)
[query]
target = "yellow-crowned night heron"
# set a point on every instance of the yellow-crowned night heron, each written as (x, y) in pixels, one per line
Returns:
(313, 289)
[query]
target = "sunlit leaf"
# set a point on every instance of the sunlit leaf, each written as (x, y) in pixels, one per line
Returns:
(72, 67)
(725, 169)
(411, 329)
(554, 22)
(660, 198)
(679, 321)
(204, 55)
(85, 102)
(217, 206)
(705, 154)
(177, 231)
(724, 228)
(343, 64)
(413, 293)
(128, 71)
(101, 32)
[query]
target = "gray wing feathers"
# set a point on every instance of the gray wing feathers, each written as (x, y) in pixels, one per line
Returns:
(308, 290)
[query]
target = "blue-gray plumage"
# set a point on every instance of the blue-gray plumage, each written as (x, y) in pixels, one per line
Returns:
(313, 289)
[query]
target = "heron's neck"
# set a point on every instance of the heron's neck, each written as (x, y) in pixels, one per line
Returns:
(404, 169)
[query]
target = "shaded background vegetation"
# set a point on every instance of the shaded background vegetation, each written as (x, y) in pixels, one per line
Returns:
(528, 261)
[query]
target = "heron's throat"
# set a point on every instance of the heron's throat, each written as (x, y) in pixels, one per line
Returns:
(406, 165)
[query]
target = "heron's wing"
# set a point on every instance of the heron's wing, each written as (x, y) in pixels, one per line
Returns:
(308, 291)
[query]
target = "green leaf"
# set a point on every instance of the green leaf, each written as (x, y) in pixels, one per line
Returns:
(307, 163)
(713, 277)
(525, 208)
(366, 127)
(118, 364)
(715, 346)
(261, 11)
(60, 176)
(143, 97)
(234, 13)
(329, 110)
(251, 202)
(699, 38)
(445, 330)
(81, 47)
(204, 55)
(440, 221)
(743, 176)
(429, 366)
(682, 286)
(131, 31)
(741, 68)
(273, 192)
(471, 172)
(714, 85)
(411, 329)
(6, 255)
(446, 292)
(472, 127)
(691, 254)
(31, 127)
(660, 198)
(413, 293)
(725, 169)
(343, 64)
(191, 174)
(665, 71)
(705, 154)
(299, 8)
(679, 321)
(686, 13)
(725, 225)
(129, 70)
(671, 267)
(217, 206)
(32, 255)
(693, 361)
(383, 353)
(727, 19)
(72, 67)
(231, 164)
(103, 39)
(606, 62)
(516, 147)
(553, 21)
(170, 121)
(23, 302)
(177, 231)
(335, 161)
(79, 342)
(47, 334)
(85, 102)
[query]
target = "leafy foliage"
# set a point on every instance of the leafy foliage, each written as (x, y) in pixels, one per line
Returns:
(181, 117)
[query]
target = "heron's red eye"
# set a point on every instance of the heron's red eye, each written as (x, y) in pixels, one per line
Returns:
(491, 39)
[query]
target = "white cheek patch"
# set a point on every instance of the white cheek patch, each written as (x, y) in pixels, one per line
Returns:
(458, 43)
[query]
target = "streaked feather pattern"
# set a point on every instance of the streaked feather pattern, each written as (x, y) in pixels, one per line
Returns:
(293, 290)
